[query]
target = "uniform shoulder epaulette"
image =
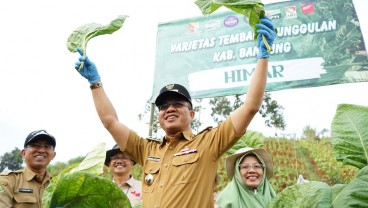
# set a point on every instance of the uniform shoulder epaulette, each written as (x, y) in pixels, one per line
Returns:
(154, 139)
(206, 129)
(5, 173)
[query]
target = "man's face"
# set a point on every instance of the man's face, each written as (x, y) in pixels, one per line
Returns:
(175, 115)
(120, 164)
(38, 154)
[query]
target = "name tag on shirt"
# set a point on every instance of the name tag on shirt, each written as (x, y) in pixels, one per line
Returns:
(25, 190)
(185, 152)
(156, 159)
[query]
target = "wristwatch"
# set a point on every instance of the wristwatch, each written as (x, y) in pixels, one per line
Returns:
(96, 85)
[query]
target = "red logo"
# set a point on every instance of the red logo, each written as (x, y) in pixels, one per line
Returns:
(193, 27)
(308, 8)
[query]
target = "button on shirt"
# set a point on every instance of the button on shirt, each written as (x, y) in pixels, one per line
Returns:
(22, 189)
(186, 180)
(132, 188)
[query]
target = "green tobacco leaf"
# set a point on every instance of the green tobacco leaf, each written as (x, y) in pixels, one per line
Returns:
(349, 134)
(252, 9)
(49, 191)
(249, 139)
(307, 195)
(80, 37)
(93, 163)
(354, 194)
(84, 190)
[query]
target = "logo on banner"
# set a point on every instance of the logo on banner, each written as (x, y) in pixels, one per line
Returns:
(273, 14)
(193, 27)
(231, 21)
(290, 12)
(308, 8)
(212, 25)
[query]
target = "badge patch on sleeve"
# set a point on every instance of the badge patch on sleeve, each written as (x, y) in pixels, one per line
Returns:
(1, 189)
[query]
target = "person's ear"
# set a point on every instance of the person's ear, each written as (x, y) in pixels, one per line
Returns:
(192, 114)
(23, 153)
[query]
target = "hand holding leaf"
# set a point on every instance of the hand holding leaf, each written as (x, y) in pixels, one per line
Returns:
(252, 9)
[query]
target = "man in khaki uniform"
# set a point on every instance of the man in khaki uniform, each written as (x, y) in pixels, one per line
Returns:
(179, 171)
(121, 168)
(24, 188)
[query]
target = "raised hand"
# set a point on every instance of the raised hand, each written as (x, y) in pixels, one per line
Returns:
(266, 36)
(87, 68)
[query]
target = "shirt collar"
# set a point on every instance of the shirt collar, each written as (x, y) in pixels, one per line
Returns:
(29, 174)
(188, 135)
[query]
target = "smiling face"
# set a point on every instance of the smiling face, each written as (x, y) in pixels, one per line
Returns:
(174, 119)
(38, 155)
(121, 164)
(251, 171)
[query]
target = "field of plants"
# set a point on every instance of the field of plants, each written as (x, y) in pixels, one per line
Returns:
(319, 161)
(314, 160)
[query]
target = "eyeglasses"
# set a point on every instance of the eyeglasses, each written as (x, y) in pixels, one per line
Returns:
(39, 146)
(116, 158)
(175, 104)
(249, 166)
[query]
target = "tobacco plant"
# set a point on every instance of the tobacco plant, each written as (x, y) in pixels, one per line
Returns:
(80, 36)
(350, 146)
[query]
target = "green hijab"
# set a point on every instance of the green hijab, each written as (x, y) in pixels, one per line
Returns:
(237, 195)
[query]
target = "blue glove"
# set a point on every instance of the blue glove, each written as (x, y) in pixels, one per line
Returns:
(88, 68)
(266, 36)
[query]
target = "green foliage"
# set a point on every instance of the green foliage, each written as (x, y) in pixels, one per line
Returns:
(252, 9)
(11, 160)
(349, 140)
(319, 194)
(196, 123)
(249, 139)
(353, 194)
(221, 108)
(80, 37)
(312, 194)
(350, 133)
(273, 112)
(56, 168)
(82, 186)
(312, 133)
(82, 189)
(270, 110)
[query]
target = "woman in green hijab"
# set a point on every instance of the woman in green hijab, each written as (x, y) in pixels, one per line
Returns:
(250, 169)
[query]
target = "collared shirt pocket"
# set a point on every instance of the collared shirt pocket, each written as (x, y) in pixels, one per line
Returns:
(25, 200)
(185, 168)
(151, 171)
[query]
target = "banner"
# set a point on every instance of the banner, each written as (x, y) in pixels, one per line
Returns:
(319, 42)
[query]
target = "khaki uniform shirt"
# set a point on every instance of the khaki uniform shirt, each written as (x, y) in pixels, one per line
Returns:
(181, 172)
(22, 189)
(133, 190)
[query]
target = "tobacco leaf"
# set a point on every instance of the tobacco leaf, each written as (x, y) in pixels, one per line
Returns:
(80, 36)
(252, 9)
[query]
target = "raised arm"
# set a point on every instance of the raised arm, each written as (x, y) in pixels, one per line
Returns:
(242, 116)
(103, 105)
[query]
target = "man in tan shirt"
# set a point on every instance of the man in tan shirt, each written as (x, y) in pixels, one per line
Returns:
(179, 171)
(121, 169)
(24, 188)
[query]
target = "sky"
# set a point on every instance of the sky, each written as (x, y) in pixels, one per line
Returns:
(40, 88)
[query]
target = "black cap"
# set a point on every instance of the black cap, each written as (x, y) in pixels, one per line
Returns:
(38, 135)
(109, 153)
(173, 89)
